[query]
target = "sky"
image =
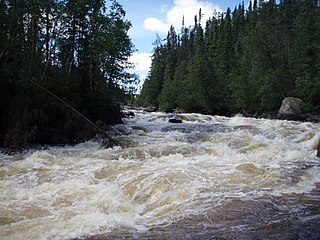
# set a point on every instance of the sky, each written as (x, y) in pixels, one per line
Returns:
(152, 17)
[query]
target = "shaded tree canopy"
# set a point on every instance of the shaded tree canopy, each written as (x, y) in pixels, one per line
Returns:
(245, 59)
(76, 49)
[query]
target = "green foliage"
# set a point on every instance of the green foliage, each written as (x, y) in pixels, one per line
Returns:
(243, 60)
(152, 87)
(309, 90)
(77, 50)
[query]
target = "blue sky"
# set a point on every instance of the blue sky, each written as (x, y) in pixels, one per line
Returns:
(151, 17)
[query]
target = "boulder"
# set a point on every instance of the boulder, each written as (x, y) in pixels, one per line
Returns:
(292, 109)
(174, 120)
(151, 109)
(128, 114)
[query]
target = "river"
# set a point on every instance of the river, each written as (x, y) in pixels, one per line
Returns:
(210, 177)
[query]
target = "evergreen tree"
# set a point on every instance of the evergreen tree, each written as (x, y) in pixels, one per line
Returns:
(53, 51)
(243, 60)
(170, 91)
(306, 52)
(152, 87)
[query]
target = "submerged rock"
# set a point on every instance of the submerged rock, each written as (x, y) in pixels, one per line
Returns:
(151, 109)
(292, 109)
(129, 114)
(174, 120)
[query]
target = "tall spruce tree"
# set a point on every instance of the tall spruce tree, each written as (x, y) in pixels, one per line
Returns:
(246, 59)
(53, 51)
(169, 90)
(152, 87)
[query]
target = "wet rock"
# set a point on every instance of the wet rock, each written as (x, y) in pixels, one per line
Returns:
(292, 109)
(175, 110)
(313, 117)
(108, 142)
(129, 114)
(318, 153)
(151, 109)
(174, 120)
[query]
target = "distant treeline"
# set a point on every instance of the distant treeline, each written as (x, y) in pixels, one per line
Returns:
(245, 59)
(56, 56)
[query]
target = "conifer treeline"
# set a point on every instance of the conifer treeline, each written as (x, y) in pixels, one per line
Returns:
(245, 59)
(78, 50)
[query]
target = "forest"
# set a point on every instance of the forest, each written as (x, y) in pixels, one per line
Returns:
(63, 69)
(245, 60)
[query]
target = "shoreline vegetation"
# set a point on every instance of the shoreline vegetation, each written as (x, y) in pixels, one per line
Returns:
(63, 69)
(100, 131)
(247, 60)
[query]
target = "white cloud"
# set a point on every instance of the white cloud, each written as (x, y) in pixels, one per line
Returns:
(155, 24)
(142, 61)
(182, 8)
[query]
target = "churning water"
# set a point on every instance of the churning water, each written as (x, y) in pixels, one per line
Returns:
(210, 177)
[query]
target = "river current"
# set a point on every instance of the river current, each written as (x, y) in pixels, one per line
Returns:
(210, 177)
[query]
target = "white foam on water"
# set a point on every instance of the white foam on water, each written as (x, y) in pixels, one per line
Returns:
(63, 207)
(68, 192)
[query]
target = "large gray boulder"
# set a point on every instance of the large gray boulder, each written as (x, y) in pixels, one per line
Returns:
(292, 109)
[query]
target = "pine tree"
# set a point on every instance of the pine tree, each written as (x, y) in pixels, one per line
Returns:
(306, 54)
(169, 90)
(195, 88)
(55, 52)
(243, 60)
(152, 87)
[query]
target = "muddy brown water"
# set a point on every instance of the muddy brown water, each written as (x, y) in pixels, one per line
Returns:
(210, 177)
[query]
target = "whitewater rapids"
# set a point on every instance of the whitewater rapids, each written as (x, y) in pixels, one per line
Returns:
(224, 177)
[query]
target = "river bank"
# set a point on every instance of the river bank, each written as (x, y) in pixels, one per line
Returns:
(60, 129)
(77, 129)
(308, 116)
